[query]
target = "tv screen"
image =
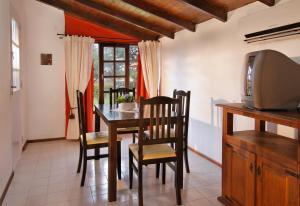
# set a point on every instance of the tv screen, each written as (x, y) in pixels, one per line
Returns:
(249, 76)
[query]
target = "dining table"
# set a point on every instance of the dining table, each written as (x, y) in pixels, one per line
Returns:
(116, 118)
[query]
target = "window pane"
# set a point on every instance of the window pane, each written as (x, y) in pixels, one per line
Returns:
(133, 54)
(132, 77)
(108, 83)
(120, 54)
(16, 80)
(108, 53)
(120, 82)
(14, 31)
(108, 69)
(133, 57)
(15, 57)
(106, 98)
(120, 69)
(96, 73)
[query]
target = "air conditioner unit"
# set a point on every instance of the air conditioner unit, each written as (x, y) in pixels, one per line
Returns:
(282, 20)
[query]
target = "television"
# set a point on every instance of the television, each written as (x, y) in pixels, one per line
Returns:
(271, 81)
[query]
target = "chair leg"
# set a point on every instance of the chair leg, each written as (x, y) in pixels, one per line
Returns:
(178, 193)
(84, 167)
(164, 173)
(133, 138)
(119, 159)
(157, 170)
(80, 157)
(130, 169)
(186, 160)
(140, 190)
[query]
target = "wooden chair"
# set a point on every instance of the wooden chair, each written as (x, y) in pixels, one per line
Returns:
(185, 98)
(113, 96)
(185, 103)
(93, 140)
(156, 149)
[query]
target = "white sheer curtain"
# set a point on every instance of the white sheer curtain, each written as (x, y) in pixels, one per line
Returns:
(79, 60)
(150, 53)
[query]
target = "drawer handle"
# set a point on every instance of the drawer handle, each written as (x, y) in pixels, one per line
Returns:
(251, 167)
(292, 174)
(258, 171)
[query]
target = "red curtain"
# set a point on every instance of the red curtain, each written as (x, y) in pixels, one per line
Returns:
(141, 88)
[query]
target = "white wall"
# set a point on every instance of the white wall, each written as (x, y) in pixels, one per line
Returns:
(209, 62)
(45, 84)
(18, 98)
(5, 98)
(37, 110)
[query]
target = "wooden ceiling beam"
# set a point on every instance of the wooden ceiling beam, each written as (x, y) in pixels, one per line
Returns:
(162, 14)
(268, 2)
(123, 16)
(75, 9)
(207, 7)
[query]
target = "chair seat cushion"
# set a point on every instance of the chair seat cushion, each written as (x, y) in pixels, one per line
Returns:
(172, 132)
(151, 152)
(97, 138)
(128, 129)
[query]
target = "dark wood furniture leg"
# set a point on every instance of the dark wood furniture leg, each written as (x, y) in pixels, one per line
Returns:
(186, 157)
(80, 157)
(260, 125)
(112, 163)
(140, 180)
(84, 167)
(157, 170)
(130, 169)
(97, 129)
(164, 173)
(119, 159)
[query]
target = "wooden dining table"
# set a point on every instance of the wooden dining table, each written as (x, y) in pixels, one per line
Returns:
(115, 119)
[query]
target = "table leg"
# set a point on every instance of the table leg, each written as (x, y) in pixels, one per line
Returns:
(112, 167)
(97, 129)
(97, 123)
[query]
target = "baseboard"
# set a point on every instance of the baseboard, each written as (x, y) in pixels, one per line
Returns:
(205, 157)
(45, 140)
(6, 188)
(25, 145)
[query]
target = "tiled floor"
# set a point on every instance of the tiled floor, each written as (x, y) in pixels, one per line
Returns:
(46, 175)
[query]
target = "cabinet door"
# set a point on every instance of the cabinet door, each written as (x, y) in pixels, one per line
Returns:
(276, 185)
(239, 176)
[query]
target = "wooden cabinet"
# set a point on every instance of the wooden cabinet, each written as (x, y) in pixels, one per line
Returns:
(275, 185)
(239, 173)
(260, 168)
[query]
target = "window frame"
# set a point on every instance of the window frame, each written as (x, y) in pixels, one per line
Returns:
(114, 61)
(15, 88)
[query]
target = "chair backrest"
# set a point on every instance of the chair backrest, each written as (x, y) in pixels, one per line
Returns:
(81, 115)
(157, 114)
(185, 107)
(115, 93)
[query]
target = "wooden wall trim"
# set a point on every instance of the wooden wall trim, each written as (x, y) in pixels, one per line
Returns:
(45, 140)
(25, 145)
(268, 2)
(205, 157)
(6, 187)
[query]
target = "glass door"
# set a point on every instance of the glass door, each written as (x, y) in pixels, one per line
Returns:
(113, 69)
(115, 66)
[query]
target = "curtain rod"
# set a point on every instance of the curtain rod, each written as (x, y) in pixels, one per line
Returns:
(98, 37)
